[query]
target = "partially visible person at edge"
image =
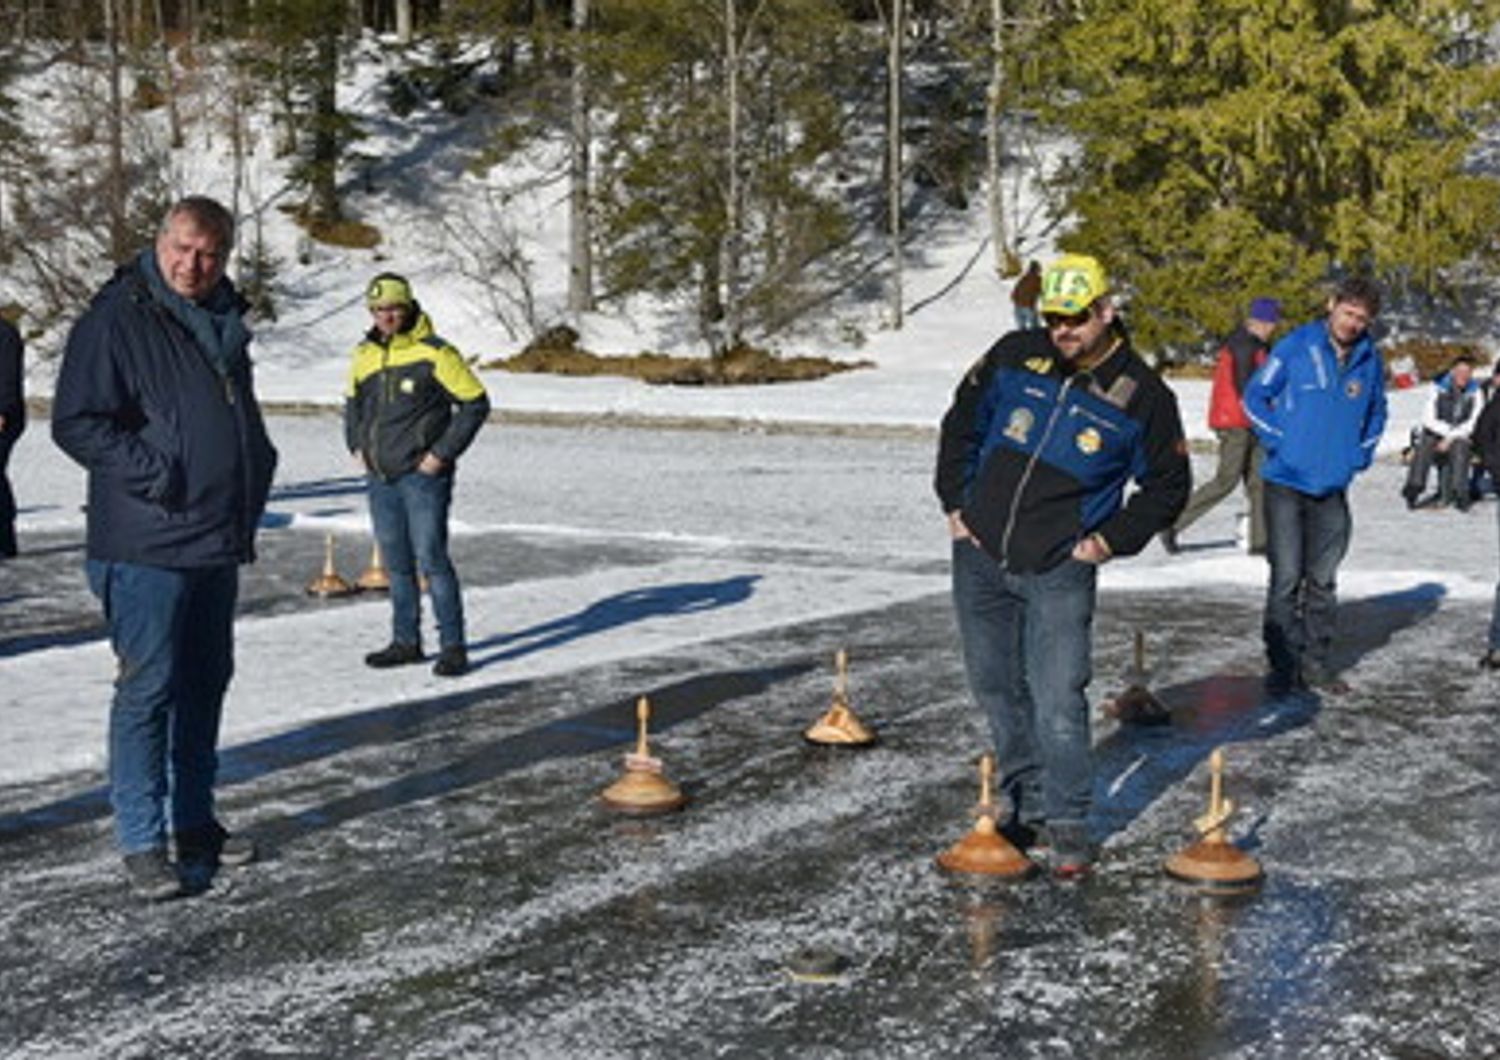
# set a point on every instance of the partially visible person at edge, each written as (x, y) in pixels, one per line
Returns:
(411, 408)
(1023, 296)
(1043, 435)
(12, 423)
(155, 399)
(1239, 457)
(1448, 421)
(1318, 407)
(1487, 443)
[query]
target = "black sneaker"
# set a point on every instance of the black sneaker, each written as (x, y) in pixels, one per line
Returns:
(1072, 851)
(152, 877)
(1326, 682)
(394, 654)
(214, 846)
(1490, 660)
(451, 662)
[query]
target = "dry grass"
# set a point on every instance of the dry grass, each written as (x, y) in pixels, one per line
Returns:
(557, 352)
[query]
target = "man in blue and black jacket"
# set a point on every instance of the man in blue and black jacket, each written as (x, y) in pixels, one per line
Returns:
(154, 398)
(1318, 407)
(1043, 436)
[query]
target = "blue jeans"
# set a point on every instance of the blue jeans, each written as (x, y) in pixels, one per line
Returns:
(1027, 645)
(1306, 538)
(173, 636)
(1495, 618)
(410, 515)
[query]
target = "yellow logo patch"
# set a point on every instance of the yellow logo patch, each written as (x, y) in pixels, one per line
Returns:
(1088, 441)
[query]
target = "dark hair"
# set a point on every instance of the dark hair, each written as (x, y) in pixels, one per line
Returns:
(1359, 289)
(208, 214)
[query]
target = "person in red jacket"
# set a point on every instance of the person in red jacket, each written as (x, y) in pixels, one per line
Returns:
(1239, 455)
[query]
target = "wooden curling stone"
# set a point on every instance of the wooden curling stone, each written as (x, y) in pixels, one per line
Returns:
(642, 789)
(840, 726)
(984, 851)
(1213, 863)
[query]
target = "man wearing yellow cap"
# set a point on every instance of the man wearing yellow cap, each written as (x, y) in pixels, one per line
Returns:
(1043, 435)
(411, 408)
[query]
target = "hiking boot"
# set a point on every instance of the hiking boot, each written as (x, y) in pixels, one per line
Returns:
(1490, 660)
(452, 662)
(1072, 850)
(214, 846)
(1281, 683)
(1326, 682)
(394, 654)
(1025, 836)
(152, 877)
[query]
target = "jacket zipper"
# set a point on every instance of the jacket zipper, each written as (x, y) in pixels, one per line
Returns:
(1036, 454)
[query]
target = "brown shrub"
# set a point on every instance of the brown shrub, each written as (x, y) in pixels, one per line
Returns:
(556, 351)
(1433, 357)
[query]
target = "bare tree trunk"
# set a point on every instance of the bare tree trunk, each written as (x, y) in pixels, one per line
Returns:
(403, 20)
(893, 76)
(729, 247)
(324, 192)
(580, 227)
(168, 76)
(115, 169)
(1005, 258)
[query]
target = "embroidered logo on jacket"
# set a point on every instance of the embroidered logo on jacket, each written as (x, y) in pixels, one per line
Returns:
(1018, 427)
(1088, 441)
(1352, 388)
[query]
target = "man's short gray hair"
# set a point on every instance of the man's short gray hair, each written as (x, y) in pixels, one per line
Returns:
(208, 214)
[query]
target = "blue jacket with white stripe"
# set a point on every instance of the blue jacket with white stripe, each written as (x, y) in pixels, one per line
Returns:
(1318, 419)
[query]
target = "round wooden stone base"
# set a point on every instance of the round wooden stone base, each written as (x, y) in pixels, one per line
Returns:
(985, 852)
(643, 793)
(1215, 866)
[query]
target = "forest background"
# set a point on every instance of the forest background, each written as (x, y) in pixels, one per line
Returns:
(762, 171)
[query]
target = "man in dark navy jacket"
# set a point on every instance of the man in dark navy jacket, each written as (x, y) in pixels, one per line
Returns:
(12, 423)
(155, 399)
(1043, 436)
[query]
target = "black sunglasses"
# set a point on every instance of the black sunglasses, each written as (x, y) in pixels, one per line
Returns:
(1068, 320)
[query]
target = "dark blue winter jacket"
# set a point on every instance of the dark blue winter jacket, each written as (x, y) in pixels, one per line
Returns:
(1036, 453)
(1319, 422)
(178, 458)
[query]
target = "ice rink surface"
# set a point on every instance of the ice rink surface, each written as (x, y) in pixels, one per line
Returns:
(441, 881)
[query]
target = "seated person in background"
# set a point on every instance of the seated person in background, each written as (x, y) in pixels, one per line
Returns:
(1447, 422)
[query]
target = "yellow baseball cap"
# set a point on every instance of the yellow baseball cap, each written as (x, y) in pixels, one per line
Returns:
(1072, 283)
(388, 289)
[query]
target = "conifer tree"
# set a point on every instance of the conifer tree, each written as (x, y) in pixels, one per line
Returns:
(720, 110)
(1239, 147)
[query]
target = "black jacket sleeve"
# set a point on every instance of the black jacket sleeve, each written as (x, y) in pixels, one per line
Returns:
(1487, 435)
(963, 430)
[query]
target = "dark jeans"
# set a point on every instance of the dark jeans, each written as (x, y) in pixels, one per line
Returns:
(1239, 461)
(173, 636)
(1453, 469)
(7, 501)
(1307, 537)
(1027, 644)
(411, 524)
(1495, 616)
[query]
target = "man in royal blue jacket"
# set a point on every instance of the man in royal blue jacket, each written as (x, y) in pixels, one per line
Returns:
(154, 398)
(1044, 434)
(1318, 407)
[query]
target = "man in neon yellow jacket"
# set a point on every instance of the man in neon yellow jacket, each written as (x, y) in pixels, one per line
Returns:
(411, 408)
